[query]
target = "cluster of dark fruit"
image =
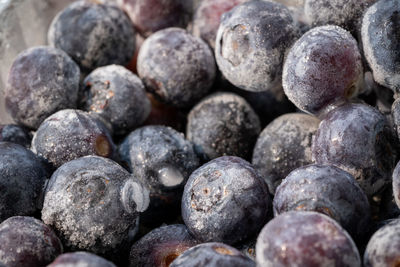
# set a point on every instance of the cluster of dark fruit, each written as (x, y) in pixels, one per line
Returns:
(98, 172)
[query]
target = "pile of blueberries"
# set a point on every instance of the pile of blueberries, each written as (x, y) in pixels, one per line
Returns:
(205, 133)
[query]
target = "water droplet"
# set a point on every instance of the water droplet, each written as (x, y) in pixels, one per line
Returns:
(170, 176)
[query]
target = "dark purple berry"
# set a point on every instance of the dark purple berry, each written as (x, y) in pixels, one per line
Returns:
(284, 145)
(252, 40)
(162, 159)
(328, 190)
(22, 177)
(223, 124)
(81, 258)
(161, 246)
(176, 66)
(15, 134)
(41, 81)
(70, 134)
(27, 242)
(93, 34)
(305, 238)
(358, 139)
(94, 205)
(212, 255)
(225, 200)
(322, 68)
(118, 96)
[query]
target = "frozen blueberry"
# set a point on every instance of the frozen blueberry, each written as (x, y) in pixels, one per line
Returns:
(396, 115)
(117, 95)
(70, 134)
(94, 205)
(358, 139)
(305, 238)
(322, 68)
(27, 242)
(161, 246)
(223, 124)
(284, 145)
(22, 177)
(344, 13)
(381, 42)
(80, 259)
(41, 81)
(150, 16)
(252, 40)
(162, 159)
(208, 16)
(93, 34)
(396, 184)
(328, 190)
(15, 134)
(383, 247)
(226, 201)
(212, 255)
(176, 66)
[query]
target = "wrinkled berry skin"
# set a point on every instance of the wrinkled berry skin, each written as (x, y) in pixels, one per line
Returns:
(305, 238)
(358, 139)
(284, 145)
(15, 134)
(226, 201)
(93, 204)
(384, 246)
(150, 16)
(80, 258)
(344, 13)
(162, 159)
(161, 246)
(381, 42)
(93, 34)
(27, 242)
(328, 190)
(212, 254)
(41, 81)
(252, 40)
(176, 66)
(322, 68)
(223, 124)
(208, 16)
(118, 96)
(22, 177)
(70, 134)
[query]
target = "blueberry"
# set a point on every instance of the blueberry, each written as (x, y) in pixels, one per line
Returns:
(41, 81)
(252, 40)
(212, 255)
(80, 258)
(118, 96)
(328, 190)
(94, 205)
(22, 177)
(322, 68)
(162, 159)
(70, 134)
(226, 201)
(284, 145)
(26, 241)
(358, 139)
(223, 124)
(15, 134)
(150, 16)
(208, 16)
(161, 246)
(93, 34)
(395, 111)
(305, 238)
(344, 13)
(176, 66)
(396, 184)
(381, 42)
(383, 247)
